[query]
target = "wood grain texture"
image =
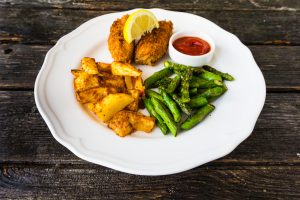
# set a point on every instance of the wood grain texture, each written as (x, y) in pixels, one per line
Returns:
(21, 63)
(279, 5)
(89, 181)
(46, 26)
(33, 165)
(25, 138)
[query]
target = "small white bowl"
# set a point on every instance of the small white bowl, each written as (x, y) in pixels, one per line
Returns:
(194, 61)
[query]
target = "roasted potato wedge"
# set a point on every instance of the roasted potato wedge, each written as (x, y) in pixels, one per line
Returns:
(134, 106)
(128, 82)
(111, 104)
(124, 69)
(92, 95)
(104, 67)
(137, 83)
(113, 93)
(125, 122)
(120, 124)
(76, 72)
(89, 65)
(141, 122)
(113, 81)
(84, 81)
(91, 107)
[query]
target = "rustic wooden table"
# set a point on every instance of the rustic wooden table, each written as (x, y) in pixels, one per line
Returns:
(33, 165)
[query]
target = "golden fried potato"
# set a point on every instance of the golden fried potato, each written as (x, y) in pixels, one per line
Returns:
(134, 106)
(125, 122)
(128, 82)
(113, 81)
(124, 69)
(85, 81)
(141, 122)
(120, 124)
(89, 65)
(111, 104)
(104, 67)
(91, 107)
(92, 95)
(76, 72)
(113, 93)
(137, 83)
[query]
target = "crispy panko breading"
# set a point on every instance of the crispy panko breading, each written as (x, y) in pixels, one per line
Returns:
(153, 46)
(118, 47)
(125, 122)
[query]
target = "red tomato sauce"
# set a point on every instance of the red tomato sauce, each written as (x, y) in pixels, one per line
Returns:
(192, 46)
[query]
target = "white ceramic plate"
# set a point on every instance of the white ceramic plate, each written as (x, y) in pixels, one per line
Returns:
(149, 154)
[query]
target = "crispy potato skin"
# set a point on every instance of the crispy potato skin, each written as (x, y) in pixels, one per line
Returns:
(134, 106)
(92, 95)
(118, 47)
(111, 104)
(124, 69)
(104, 67)
(138, 84)
(84, 81)
(141, 122)
(125, 122)
(120, 124)
(153, 46)
(109, 80)
(89, 65)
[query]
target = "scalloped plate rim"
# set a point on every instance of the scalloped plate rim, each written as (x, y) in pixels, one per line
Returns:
(56, 128)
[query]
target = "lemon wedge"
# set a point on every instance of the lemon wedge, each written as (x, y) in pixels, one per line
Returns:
(138, 23)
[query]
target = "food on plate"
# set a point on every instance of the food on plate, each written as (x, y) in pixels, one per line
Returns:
(173, 84)
(124, 69)
(120, 49)
(186, 99)
(152, 38)
(92, 95)
(165, 115)
(139, 23)
(112, 81)
(111, 104)
(104, 67)
(125, 122)
(134, 106)
(193, 46)
(160, 122)
(153, 45)
(185, 85)
(166, 72)
(89, 65)
(85, 81)
(171, 104)
(197, 117)
(112, 92)
(137, 83)
(225, 76)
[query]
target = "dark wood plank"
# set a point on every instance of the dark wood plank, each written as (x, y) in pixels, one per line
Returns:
(21, 63)
(46, 26)
(279, 5)
(25, 138)
(95, 182)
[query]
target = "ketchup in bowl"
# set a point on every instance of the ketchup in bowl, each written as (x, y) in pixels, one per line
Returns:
(192, 46)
